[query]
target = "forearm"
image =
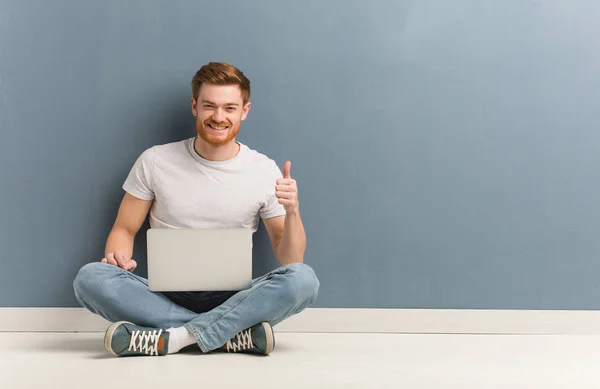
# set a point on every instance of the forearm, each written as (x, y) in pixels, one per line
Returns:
(292, 245)
(120, 239)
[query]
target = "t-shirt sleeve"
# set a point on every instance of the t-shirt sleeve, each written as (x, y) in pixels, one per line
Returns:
(139, 180)
(271, 207)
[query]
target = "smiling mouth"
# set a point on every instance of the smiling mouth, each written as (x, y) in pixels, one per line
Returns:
(219, 128)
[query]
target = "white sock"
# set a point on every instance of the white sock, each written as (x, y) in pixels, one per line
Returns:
(179, 338)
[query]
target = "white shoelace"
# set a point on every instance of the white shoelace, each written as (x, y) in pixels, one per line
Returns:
(147, 341)
(242, 341)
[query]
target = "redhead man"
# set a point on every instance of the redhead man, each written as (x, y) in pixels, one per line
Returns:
(208, 181)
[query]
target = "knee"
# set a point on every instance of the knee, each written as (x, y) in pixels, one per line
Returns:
(303, 284)
(90, 280)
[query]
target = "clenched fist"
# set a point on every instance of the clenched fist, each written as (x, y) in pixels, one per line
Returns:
(286, 190)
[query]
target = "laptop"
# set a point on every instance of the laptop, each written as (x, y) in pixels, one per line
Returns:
(199, 260)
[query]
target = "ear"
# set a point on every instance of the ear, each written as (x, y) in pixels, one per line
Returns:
(194, 110)
(245, 110)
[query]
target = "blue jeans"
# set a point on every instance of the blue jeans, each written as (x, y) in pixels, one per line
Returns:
(212, 317)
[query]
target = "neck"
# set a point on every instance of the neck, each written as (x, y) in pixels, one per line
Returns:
(216, 153)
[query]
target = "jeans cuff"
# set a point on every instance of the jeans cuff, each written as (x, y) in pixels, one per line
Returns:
(196, 334)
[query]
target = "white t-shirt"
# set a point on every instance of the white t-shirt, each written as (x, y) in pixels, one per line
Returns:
(192, 192)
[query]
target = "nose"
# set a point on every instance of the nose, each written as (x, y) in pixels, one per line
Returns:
(218, 115)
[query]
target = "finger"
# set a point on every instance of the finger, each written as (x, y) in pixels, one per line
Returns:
(111, 261)
(121, 259)
(285, 188)
(286, 181)
(104, 260)
(286, 169)
(131, 265)
(285, 195)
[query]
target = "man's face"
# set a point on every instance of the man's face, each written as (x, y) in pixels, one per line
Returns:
(219, 113)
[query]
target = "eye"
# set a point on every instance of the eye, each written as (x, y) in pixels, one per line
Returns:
(230, 109)
(207, 106)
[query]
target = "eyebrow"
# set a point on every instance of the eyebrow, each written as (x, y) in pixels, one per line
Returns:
(226, 104)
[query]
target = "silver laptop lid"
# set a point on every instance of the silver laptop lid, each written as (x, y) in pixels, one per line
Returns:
(199, 260)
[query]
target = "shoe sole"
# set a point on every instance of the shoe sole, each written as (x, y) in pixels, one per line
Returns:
(110, 331)
(270, 337)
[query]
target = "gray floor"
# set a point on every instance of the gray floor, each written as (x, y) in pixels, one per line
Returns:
(78, 360)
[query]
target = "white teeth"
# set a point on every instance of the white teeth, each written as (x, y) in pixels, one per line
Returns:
(217, 128)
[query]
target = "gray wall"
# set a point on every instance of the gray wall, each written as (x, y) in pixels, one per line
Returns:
(446, 152)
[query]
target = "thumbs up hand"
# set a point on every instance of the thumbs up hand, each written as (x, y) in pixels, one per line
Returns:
(286, 190)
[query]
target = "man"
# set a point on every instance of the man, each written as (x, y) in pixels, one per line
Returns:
(208, 181)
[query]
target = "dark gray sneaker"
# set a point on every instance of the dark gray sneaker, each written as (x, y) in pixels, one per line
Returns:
(126, 339)
(258, 339)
